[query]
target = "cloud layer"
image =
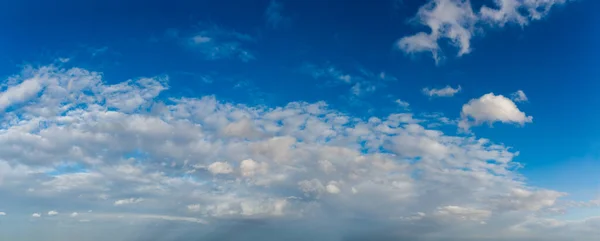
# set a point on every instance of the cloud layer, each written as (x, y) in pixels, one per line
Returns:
(74, 143)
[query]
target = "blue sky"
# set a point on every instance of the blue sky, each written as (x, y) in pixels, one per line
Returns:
(317, 75)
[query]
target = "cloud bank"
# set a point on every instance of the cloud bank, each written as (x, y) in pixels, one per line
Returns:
(200, 168)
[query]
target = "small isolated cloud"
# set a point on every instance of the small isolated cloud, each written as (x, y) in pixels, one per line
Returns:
(36, 215)
(447, 91)
(220, 168)
(519, 96)
(128, 201)
(74, 214)
(215, 43)
(457, 22)
(362, 81)
(2, 214)
(274, 15)
(491, 108)
(402, 103)
(52, 213)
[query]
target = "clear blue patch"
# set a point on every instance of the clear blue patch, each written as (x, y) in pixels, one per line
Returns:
(138, 154)
(67, 168)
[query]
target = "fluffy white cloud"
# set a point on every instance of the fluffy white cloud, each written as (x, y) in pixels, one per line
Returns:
(52, 213)
(2, 214)
(74, 214)
(491, 108)
(457, 22)
(443, 92)
(36, 215)
(302, 164)
(128, 201)
(220, 168)
(519, 96)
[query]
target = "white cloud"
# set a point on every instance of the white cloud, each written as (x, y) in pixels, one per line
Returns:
(457, 22)
(491, 108)
(465, 213)
(2, 214)
(220, 168)
(52, 213)
(332, 188)
(128, 201)
(519, 96)
(194, 207)
(402, 103)
(36, 215)
(74, 214)
(447, 91)
(307, 163)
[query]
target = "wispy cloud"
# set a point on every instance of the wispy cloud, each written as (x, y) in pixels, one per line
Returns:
(362, 81)
(447, 91)
(215, 43)
(275, 16)
(457, 22)
(402, 103)
(519, 96)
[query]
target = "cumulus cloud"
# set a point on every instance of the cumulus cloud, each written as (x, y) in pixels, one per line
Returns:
(447, 91)
(36, 215)
(457, 22)
(491, 108)
(220, 168)
(2, 214)
(309, 166)
(74, 214)
(519, 96)
(52, 213)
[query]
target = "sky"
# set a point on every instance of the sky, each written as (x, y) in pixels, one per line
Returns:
(299, 120)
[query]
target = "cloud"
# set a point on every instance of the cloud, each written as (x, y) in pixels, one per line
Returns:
(214, 42)
(457, 22)
(74, 214)
(220, 168)
(2, 214)
(52, 213)
(402, 103)
(302, 165)
(491, 108)
(36, 215)
(464, 213)
(362, 81)
(519, 96)
(128, 201)
(443, 92)
(275, 17)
